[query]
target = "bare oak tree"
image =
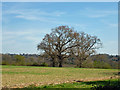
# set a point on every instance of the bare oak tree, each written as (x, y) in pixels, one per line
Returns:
(63, 41)
(87, 46)
(59, 42)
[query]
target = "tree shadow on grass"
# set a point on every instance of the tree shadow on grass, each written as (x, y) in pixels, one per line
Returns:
(102, 82)
(104, 85)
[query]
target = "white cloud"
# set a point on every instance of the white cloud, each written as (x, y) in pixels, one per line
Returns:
(26, 32)
(96, 13)
(22, 41)
(110, 47)
(33, 36)
(110, 24)
(96, 16)
(113, 25)
(34, 14)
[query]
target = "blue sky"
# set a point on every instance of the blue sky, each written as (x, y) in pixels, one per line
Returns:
(25, 24)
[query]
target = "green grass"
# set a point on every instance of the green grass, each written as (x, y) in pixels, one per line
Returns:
(112, 82)
(5, 72)
(24, 76)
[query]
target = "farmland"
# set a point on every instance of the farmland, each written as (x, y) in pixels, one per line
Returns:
(24, 76)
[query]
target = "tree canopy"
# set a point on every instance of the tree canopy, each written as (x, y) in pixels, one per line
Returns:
(64, 41)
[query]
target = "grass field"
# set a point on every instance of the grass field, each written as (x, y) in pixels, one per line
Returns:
(87, 84)
(24, 76)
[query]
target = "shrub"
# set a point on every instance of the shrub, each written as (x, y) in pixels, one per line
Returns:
(35, 64)
(5, 63)
(44, 64)
(101, 64)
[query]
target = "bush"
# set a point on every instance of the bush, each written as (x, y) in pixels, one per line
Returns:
(5, 63)
(44, 64)
(101, 64)
(88, 64)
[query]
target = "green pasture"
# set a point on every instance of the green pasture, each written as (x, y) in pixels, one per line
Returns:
(25, 76)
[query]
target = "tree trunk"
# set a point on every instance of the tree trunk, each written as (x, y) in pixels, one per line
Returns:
(80, 64)
(60, 64)
(60, 61)
(53, 61)
(81, 61)
(53, 64)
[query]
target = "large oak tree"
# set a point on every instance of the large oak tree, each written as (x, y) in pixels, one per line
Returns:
(63, 41)
(59, 42)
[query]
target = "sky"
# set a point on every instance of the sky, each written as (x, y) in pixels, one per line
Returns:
(24, 24)
(60, 0)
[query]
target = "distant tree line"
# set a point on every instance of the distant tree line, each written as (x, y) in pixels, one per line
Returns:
(93, 61)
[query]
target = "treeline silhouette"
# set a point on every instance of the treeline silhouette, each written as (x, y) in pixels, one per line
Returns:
(94, 61)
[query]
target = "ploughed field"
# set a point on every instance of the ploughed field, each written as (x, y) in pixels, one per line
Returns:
(24, 76)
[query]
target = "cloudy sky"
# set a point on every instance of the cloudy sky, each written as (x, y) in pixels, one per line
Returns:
(24, 24)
